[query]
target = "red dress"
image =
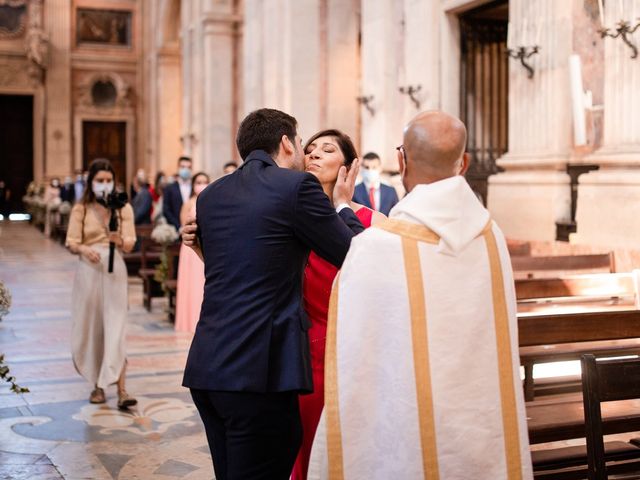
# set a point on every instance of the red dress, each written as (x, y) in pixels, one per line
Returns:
(318, 279)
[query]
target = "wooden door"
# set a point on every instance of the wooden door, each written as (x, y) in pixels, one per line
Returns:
(484, 87)
(106, 140)
(16, 146)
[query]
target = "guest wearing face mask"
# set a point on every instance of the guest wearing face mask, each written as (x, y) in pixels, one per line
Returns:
(372, 192)
(190, 269)
(99, 299)
(177, 193)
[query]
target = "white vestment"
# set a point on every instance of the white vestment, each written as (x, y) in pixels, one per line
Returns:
(422, 368)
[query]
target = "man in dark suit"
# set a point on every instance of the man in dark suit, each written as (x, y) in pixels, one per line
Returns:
(371, 192)
(249, 358)
(178, 192)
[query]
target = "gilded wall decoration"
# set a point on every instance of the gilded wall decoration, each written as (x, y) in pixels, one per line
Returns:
(103, 27)
(13, 18)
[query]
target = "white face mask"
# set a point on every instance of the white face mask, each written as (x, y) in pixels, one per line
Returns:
(370, 176)
(102, 189)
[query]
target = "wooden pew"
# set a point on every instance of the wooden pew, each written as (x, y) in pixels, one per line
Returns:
(528, 267)
(150, 257)
(171, 283)
(552, 421)
(578, 293)
(133, 260)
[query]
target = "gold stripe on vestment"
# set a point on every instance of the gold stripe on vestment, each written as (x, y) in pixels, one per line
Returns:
(422, 368)
(409, 230)
(331, 407)
(505, 361)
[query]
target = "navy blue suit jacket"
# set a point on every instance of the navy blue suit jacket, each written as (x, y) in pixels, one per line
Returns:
(171, 204)
(256, 227)
(388, 197)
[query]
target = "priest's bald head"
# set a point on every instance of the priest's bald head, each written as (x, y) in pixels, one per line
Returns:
(432, 149)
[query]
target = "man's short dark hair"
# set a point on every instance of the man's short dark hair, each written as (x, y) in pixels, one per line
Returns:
(371, 156)
(185, 159)
(263, 129)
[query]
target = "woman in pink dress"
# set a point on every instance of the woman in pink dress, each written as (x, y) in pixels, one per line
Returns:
(190, 268)
(325, 153)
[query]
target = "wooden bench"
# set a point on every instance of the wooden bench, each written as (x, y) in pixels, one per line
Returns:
(603, 382)
(133, 259)
(561, 420)
(171, 283)
(581, 293)
(150, 257)
(529, 267)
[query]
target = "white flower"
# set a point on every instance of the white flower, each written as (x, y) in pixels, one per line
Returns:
(164, 234)
(5, 300)
(65, 208)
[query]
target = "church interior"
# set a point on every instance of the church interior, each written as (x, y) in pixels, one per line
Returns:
(545, 88)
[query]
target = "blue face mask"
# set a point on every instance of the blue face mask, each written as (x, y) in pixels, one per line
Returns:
(185, 173)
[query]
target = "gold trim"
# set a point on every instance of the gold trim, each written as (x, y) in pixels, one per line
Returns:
(422, 368)
(409, 230)
(505, 362)
(331, 407)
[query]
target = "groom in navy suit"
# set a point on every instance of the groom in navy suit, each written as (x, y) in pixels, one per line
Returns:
(249, 358)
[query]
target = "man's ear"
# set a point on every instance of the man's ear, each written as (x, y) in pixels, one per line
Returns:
(287, 145)
(401, 163)
(466, 159)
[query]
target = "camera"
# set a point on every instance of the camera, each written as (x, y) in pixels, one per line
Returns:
(114, 201)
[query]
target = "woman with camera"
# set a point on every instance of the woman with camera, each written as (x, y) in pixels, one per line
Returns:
(99, 301)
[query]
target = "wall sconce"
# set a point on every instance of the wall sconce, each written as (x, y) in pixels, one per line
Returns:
(366, 102)
(522, 53)
(623, 29)
(411, 91)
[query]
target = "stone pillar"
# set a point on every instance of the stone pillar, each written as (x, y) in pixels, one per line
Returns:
(381, 43)
(343, 68)
(169, 120)
(308, 69)
(609, 198)
(58, 150)
(534, 191)
(219, 85)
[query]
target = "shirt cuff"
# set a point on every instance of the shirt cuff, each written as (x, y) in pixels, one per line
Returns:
(342, 206)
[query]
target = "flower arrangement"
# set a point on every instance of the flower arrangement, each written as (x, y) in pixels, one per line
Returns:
(5, 374)
(5, 300)
(164, 234)
(64, 208)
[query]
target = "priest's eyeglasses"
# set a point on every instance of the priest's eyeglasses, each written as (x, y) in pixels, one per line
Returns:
(403, 151)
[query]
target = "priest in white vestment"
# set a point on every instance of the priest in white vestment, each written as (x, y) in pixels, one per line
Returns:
(422, 368)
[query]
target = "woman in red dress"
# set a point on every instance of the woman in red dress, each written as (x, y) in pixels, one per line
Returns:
(325, 153)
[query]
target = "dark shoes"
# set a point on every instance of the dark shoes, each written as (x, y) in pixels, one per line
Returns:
(97, 396)
(125, 400)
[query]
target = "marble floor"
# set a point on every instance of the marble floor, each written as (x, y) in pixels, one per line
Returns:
(53, 432)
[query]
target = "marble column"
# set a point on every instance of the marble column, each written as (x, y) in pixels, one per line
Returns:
(609, 198)
(58, 149)
(533, 193)
(382, 52)
(309, 69)
(219, 114)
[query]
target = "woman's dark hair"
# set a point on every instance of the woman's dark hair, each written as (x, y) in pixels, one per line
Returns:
(97, 165)
(194, 178)
(263, 129)
(344, 144)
